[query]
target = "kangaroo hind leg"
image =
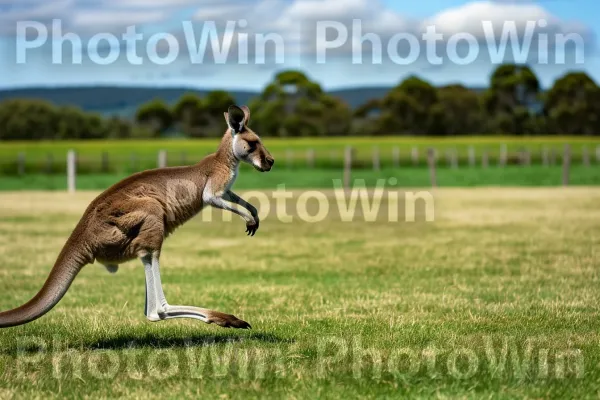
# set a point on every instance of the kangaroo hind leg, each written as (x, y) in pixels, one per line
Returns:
(158, 309)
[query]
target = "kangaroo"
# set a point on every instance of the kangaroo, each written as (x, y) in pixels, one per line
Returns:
(132, 218)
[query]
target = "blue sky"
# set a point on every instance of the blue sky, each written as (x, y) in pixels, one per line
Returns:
(295, 22)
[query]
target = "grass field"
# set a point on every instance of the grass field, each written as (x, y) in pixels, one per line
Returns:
(535, 175)
(130, 156)
(496, 298)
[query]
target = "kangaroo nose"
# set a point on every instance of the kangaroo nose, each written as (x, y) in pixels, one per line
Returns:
(271, 161)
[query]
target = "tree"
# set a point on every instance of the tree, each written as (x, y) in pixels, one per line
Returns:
(73, 123)
(188, 114)
(458, 111)
(156, 116)
(293, 105)
(512, 86)
(216, 102)
(202, 117)
(368, 109)
(402, 114)
(25, 119)
(512, 99)
(28, 119)
(213, 106)
(573, 105)
(406, 109)
(117, 128)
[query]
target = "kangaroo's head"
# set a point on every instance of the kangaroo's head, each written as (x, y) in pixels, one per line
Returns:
(246, 144)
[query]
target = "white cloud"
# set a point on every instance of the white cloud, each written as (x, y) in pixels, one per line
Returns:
(372, 13)
(153, 4)
(286, 17)
(328, 9)
(469, 17)
(294, 20)
(31, 10)
(85, 16)
(99, 21)
(35, 9)
(223, 12)
(102, 21)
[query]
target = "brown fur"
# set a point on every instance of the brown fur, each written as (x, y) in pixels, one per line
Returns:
(132, 218)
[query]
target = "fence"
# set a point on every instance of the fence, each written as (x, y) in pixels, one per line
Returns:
(347, 159)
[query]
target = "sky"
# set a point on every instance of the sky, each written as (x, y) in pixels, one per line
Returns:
(242, 44)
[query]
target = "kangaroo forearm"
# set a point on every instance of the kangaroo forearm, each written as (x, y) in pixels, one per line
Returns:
(230, 196)
(221, 203)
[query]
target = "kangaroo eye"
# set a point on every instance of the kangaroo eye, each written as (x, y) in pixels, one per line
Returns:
(252, 146)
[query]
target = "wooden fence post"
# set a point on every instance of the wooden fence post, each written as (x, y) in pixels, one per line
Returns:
(71, 171)
(347, 167)
(471, 156)
(454, 158)
(545, 156)
(414, 155)
(431, 162)
(485, 159)
(598, 153)
(396, 157)
(503, 155)
(566, 165)
(21, 164)
(376, 159)
(525, 156)
(162, 159)
(310, 158)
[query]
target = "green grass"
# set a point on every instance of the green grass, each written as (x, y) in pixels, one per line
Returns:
(534, 175)
(496, 298)
(129, 156)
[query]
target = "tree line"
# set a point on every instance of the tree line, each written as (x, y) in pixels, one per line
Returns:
(293, 105)
(32, 119)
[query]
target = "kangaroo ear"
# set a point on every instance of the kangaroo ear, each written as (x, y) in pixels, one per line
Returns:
(246, 111)
(236, 119)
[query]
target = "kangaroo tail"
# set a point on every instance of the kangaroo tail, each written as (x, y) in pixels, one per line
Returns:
(66, 268)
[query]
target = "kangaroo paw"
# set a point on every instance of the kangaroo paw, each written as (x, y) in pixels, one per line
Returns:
(226, 320)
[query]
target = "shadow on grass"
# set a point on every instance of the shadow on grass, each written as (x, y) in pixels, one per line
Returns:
(145, 340)
(200, 339)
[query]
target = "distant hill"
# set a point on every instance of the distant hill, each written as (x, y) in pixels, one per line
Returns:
(124, 101)
(110, 100)
(356, 97)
